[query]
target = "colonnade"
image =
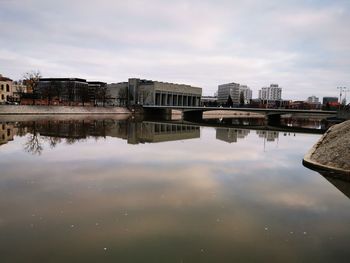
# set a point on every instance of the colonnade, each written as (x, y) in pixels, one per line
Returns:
(176, 99)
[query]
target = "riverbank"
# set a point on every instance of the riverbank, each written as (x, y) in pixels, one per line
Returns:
(49, 110)
(332, 152)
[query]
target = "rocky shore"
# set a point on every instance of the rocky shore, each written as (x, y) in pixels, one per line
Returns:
(332, 151)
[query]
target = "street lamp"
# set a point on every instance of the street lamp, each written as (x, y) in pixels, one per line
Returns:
(346, 90)
(340, 93)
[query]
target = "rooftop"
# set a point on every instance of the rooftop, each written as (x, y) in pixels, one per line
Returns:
(2, 78)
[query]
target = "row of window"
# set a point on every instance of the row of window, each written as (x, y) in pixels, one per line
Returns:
(3, 97)
(7, 87)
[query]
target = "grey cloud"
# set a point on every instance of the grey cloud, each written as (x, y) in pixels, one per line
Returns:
(303, 46)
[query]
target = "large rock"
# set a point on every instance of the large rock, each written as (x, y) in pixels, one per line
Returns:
(332, 151)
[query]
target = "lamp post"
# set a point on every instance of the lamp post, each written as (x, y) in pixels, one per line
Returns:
(346, 90)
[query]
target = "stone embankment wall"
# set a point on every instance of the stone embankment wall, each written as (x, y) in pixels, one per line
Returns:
(34, 110)
(332, 151)
(344, 114)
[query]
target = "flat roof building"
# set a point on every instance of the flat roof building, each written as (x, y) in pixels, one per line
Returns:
(274, 92)
(228, 90)
(148, 92)
(67, 90)
(329, 100)
(240, 94)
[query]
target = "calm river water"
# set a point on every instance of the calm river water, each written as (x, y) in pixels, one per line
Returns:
(88, 190)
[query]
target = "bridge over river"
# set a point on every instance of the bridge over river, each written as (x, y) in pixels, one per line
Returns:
(196, 113)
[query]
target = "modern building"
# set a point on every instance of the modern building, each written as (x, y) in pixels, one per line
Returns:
(229, 90)
(272, 93)
(97, 92)
(63, 89)
(313, 99)
(6, 90)
(148, 92)
(234, 90)
(69, 91)
(329, 100)
(247, 93)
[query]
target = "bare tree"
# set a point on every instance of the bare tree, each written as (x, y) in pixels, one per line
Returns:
(122, 96)
(31, 80)
(34, 143)
(229, 102)
(20, 89)
(102, 95)
(241, 98)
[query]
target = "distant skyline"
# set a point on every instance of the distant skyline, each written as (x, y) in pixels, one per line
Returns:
(303, 45)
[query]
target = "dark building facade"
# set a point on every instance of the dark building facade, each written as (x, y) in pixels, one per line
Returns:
(70, 91)
(97, 92)
(329, 100)
(63, 90)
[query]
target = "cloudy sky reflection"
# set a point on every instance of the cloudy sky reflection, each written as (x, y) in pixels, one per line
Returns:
(189, 200)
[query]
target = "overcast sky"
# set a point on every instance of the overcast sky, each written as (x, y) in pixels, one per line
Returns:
(303, 45)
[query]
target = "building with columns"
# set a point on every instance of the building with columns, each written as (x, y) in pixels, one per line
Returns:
(149, 92)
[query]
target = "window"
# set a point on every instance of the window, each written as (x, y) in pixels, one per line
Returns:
(2, 96)
(2, 86)
(7, 88)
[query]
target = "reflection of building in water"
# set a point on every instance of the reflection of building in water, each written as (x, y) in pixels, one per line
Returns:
(7, 131)
(231, 135)
(270, 136)
(151, 132)
(133, 132)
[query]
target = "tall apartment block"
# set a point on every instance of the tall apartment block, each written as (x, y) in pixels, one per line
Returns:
(274, 92)
(234, 90)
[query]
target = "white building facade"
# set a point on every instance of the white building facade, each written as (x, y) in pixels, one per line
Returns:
(313, 99)
(274, 92)
(234, 90)
(247, 93)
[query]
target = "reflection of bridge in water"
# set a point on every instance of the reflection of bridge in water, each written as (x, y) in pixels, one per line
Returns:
(252, 124)
(196, 113)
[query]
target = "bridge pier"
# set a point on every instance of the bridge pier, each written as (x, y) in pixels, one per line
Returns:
(158, 114)
(192, 115)
(273, 119)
